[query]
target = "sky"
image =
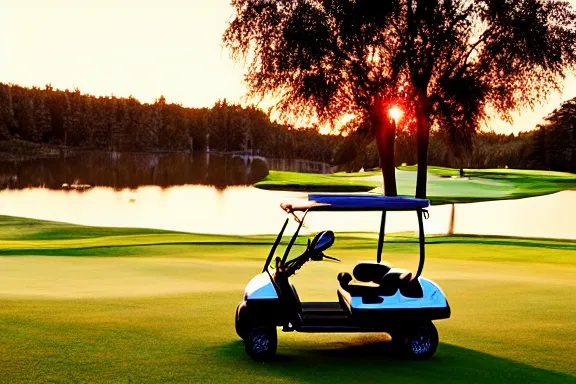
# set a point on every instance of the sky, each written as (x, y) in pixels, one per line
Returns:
(144, 48)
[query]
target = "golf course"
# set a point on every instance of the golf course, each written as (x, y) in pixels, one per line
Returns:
(444, 185)
(119, 305)
(266, 192)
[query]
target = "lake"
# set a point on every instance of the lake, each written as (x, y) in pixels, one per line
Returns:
(133, 170)
(210, 193)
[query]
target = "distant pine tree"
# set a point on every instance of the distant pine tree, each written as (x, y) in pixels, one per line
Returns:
(538, 154)
(561, 131)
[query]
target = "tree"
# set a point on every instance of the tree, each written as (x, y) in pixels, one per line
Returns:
(558, 138)
(447, 62)
(464, 58)
(322, 59)
(41, 117)
(7, 120)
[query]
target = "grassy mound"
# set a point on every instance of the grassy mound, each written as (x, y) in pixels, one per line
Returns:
(311, 182)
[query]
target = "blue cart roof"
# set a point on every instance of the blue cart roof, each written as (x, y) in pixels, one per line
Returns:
(356, 202)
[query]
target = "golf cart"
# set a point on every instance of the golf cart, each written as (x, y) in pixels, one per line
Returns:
(375, 297)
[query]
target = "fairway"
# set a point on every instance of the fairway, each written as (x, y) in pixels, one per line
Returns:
(98, 305)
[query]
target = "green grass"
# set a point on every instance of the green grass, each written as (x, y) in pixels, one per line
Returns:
(444, 187)
(311, 182)
(494, 172)
(108, 305)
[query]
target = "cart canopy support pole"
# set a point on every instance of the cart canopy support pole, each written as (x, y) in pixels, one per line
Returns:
(381, 238)
(422, 243)
(293, 239)
(278, 239)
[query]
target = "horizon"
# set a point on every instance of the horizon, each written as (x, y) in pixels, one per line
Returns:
(147, 50)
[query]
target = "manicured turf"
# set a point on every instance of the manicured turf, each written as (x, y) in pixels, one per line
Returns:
(312, 182)
(444, 185)
(141, 306)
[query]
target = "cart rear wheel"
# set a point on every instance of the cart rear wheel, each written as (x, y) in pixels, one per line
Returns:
(261, 343)
(416, 343)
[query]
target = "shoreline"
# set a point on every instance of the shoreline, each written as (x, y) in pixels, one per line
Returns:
(13, 151)
(258, 238)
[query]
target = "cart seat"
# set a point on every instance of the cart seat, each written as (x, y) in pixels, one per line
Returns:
(388, 285)
(356, 288)
(393, 281)
(370, 271)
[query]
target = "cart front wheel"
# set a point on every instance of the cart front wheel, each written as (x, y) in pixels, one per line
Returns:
(240, 322)
(261, 343)
(417, 343)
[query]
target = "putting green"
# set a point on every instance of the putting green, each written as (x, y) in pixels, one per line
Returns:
(158, 307)
(444, 185)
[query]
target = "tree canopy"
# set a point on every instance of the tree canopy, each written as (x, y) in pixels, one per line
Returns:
(450, 64)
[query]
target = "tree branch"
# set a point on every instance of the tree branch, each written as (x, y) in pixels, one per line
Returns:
(463, 58)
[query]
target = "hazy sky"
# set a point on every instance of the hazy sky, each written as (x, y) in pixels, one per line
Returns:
(142, 48)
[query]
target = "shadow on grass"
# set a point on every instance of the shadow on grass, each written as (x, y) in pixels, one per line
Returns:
(375, 362)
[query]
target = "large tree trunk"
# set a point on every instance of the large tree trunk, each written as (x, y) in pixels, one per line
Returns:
(385, 132)
(422, 140)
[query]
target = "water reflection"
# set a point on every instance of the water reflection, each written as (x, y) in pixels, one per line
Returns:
(247, 210)
(212, 193)
(549, 216)
(133, 170)
(203, 209)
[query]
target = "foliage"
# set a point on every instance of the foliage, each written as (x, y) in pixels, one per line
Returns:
(319, 58)
(554, 144)
(448, 62)
(124, 124)
(85, 121)
(551, 146)
(488, 150)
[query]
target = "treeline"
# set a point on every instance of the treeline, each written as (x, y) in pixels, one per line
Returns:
(489, 150)
(555, 142)
(551, 146)
(73, 119)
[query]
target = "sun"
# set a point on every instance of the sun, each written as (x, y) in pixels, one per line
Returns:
(396, 113)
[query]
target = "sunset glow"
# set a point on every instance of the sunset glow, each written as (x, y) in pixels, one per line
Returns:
(146, 49)
(396, 113)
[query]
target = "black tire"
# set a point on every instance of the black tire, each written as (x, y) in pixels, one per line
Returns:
(241, 329)
(261, 343)
(416, 343)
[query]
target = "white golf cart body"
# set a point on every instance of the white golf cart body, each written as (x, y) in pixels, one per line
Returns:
(262, 288)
